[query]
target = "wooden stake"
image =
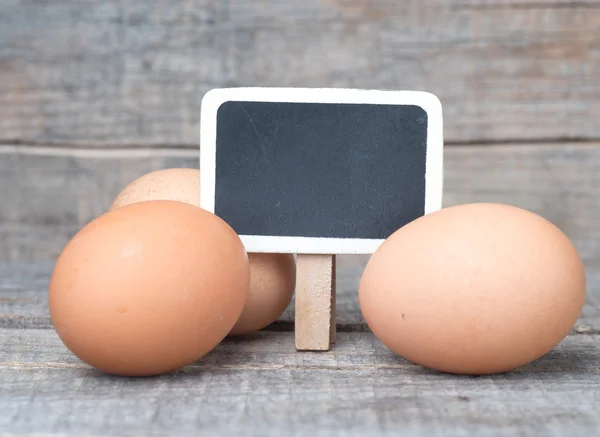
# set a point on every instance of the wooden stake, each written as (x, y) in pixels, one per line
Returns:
(332, 327)
(315, 302)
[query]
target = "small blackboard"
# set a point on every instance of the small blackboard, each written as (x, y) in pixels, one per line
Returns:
(322, 171)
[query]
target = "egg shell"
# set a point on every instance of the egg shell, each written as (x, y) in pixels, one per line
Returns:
(180, 184)
(149, 288)
(474, 289)
(272, 283)
(273, 276)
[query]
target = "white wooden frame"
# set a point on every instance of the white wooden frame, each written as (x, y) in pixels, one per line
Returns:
(309, 245)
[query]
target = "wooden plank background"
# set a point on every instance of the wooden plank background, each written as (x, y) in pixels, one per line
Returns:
(24, 302)
(52, 192)
(111, 73)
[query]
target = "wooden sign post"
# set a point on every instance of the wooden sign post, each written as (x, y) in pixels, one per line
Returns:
(315, 302)
(319, 172)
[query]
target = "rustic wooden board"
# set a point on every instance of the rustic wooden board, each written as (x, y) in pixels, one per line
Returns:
(24, 302)
(259, 386)
(54, 192)
(115, 73)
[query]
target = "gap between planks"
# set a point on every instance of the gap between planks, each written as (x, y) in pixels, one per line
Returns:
(111, 149)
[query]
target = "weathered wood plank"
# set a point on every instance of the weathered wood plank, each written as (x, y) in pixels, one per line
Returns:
(54, 192)
(24, 303)
(528, 4)
(122, 72)
(23, 294)
(259, 386)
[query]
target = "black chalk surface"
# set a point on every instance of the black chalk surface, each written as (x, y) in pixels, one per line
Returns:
(319, 170)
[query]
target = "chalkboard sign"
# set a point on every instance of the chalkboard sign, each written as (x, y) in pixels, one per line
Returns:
(321, 171)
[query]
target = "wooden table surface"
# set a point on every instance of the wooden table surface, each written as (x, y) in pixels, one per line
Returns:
(258, 385)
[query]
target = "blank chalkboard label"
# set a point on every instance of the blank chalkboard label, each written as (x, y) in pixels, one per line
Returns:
(319, 170)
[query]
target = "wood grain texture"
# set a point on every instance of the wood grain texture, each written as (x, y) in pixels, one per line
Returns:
(314, 296)
(528, 4)
(24, 301)
(120, 72)
(333, 309)
(54, 192)
(260, 386)
(23, 294)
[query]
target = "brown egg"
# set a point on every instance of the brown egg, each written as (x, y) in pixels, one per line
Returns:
(474, 289)
(273, 276)
(149, 288)
(181, 184)
(272, 283)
